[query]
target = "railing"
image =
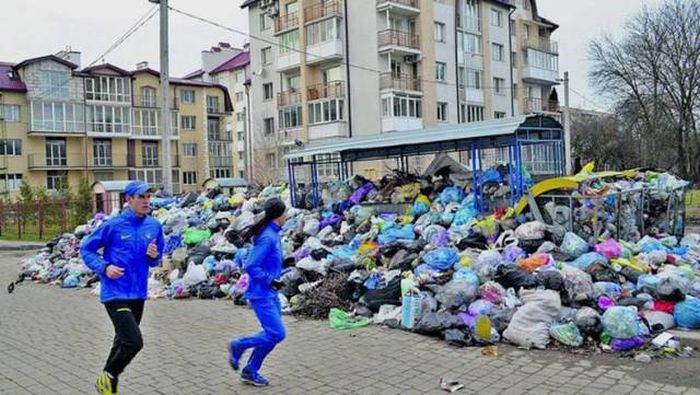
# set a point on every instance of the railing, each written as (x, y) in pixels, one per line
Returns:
(153, 162)
(288, 98)
(148, 101)
(322, 9)
(398, 38)
(41, 161)
(333, 89)
(541, 44)
(221, 161)
(110, 161)
(399, 81)
(408, 3)
(288, 136)
(284, 22)
(534, 104)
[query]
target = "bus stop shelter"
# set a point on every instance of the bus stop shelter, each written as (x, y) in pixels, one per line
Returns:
(526, 143)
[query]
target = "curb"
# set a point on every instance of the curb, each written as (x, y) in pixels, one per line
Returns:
(688, 338)
(21, 247)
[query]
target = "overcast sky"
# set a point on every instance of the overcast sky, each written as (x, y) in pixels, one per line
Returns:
(38, 27)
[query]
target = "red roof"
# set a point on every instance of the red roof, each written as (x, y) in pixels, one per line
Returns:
(239, 61)
(9, 81)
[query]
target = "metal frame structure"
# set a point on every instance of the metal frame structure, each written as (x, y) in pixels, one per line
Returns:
(478, 138)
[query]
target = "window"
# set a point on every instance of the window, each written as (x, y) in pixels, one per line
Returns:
(512, 27)
(332, 74)
(10, 112)
(471, 43)
(213, 129)
(471, 15)
(289, 42)
(102, 151)
(106, 88)
(439, 34)
(187, 96)
(514, 59)
(461, 74)
(189, 177)
(239, 97)
(265, 22)
(323, 31)
(11, 147)
(57, 117)
(442, 111)
(212, 104)
(515, 91)
(54, 83)
(220, 173)
(190, 149)
(326, 111)
(475, 113)
(496, 18)
(440, 69)
(474, 79)
(266, 56)
(10, 182)
(146, 122)
(150, 154)
(240, 155)
(148, 97)
(543, 60)
(241, 136)
(269, 126)
(241, 174)
(104, 176)
(56, 179)
(188, 122)
(499, 86)
(268, 91)
(108, 119)
(499, 115)
(497, 52)
(271, 160)
(290, 117)
(56, 152)
(402, 106)
(240, 116)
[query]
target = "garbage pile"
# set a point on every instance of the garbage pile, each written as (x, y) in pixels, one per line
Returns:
(441, 268)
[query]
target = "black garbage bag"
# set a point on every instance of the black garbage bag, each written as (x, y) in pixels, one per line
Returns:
(198, 253)
(531, 246)
(214, 192)
(631, 275)
(601, 271)
(588, 320)
(206, 290)
(458, 337)
(638, 302)
(550, 279)
(391, 294)
(475, 241)
(402, 260)
(501, 318)
(390, 249)
(342, 265)
(512, 276)
(319, 254)
(188, 199)
(433, 324)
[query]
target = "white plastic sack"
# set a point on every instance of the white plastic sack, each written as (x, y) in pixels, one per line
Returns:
(311, 265)
(386, 313)
(530, 324)
(195, 274)
(311, 226)
(658, 320)
(530, 231)
(174, 275)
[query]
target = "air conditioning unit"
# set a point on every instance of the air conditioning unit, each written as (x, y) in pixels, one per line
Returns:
(267, 3)
(273, 11)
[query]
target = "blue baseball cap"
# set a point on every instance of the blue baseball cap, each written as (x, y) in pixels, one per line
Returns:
(137, 188)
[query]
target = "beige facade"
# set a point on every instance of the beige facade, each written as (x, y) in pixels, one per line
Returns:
(102, 123)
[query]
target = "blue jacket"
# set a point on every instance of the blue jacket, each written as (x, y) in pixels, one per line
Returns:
(264, 263)
(124, 240)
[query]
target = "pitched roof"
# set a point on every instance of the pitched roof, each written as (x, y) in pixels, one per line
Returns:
(194, 74)
(238, 61)
(54, 58)
(119, 70)
(9, 81)
(248, 3)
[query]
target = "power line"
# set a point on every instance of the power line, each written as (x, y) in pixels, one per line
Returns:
(133, 29)
(586, 99)
(300, 51)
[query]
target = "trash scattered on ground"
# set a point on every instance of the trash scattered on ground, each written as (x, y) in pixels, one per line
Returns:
(450, 385)
(419, 256)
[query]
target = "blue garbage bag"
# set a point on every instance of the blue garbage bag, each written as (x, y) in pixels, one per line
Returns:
(451, 194)
(71, 281)
(467, 275)
(465, 214)
(393, 233)
(621, 322)
(490, 175)
(441, 259)
(210, 263)
(609, 289)
(648, 283)
(584, 261)
(573, 245)
(652, 245)
(240, 257)
(172, 243)
(344, 252)
(420, 208)
(687, 314)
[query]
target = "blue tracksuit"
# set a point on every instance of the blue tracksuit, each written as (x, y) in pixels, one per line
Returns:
(264, 264)
(124, 240)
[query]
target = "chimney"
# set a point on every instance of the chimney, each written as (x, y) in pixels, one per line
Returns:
(69, 55)
(224, 44)
(142, 65)
(218, 55)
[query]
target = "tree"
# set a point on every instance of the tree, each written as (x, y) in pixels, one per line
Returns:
(82, 203)
(653, 74)
(26, 193)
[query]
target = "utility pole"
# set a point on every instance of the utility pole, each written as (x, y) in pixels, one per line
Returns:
(567, 125)
(165, 118)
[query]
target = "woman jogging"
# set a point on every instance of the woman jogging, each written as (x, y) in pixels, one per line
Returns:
(264, 266)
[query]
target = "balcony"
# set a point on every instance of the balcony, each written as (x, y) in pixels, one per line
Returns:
(331, 90)
(540, 75)
(400, 82)
(397, 124)
(401, 7)
(240, 146)
(149, 101)
(288, 98)
(107, 162)
(323, 9)
(288, 61)
(150, 162)
(537, 105)
(470, 94)
(147, 125)
(215, 111)
(328, 131)
(286, 22)
(40, 161)
(541, 44)
(398, 42)
(221, 161)
(288, 136)
(324, 51)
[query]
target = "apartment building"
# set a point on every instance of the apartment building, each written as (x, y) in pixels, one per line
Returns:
(333, 69)
(60, 123)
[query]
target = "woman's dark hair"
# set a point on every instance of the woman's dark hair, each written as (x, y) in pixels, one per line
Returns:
(274, 208)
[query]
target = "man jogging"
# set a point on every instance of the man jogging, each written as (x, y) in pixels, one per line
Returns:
(132, 242)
